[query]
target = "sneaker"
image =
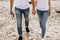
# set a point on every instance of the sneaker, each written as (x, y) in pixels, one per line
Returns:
(27, 29)
(20, 38)
(43, 38)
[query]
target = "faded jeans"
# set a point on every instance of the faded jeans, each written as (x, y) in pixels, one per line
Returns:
(43, 16)
(19, 13)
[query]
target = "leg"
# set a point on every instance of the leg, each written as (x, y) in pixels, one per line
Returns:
(43, 20)
(19, 22)
(39, 13)
(26, 16)
(43, 16)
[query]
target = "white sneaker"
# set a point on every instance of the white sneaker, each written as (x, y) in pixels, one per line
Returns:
(43, 38)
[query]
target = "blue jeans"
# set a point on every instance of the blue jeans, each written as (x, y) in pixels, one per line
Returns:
(19, 13)
(43, 16)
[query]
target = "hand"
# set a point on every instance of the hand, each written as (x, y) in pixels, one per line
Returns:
(33, 11)
(12, 14)
(49, 13)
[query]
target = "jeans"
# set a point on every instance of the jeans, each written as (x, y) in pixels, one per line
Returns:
(43, 16)
(19, 13)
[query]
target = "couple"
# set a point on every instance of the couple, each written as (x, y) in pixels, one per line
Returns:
(22, 7)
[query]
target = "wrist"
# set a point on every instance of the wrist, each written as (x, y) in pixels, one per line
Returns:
(33, 8)
(10, 8)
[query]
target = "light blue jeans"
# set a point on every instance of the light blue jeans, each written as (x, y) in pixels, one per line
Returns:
(19, 13)
(43, 16)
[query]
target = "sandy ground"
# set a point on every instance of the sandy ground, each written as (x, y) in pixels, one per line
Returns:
(8, 27)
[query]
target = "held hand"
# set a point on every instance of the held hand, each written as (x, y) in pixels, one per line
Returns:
(33, 11)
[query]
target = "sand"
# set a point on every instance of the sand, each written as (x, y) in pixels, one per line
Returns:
(8, 27)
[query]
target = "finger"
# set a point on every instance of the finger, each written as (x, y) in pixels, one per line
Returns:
(13, 15)
(33, 13)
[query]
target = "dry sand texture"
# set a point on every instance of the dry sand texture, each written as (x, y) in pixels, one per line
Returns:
(8, 29)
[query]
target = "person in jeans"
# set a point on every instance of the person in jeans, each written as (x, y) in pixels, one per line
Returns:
(21, 7)
(42, 7)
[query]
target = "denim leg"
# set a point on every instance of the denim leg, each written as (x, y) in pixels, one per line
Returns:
(39, 13)
(19, 20)
(43, 20)
(26, 16)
